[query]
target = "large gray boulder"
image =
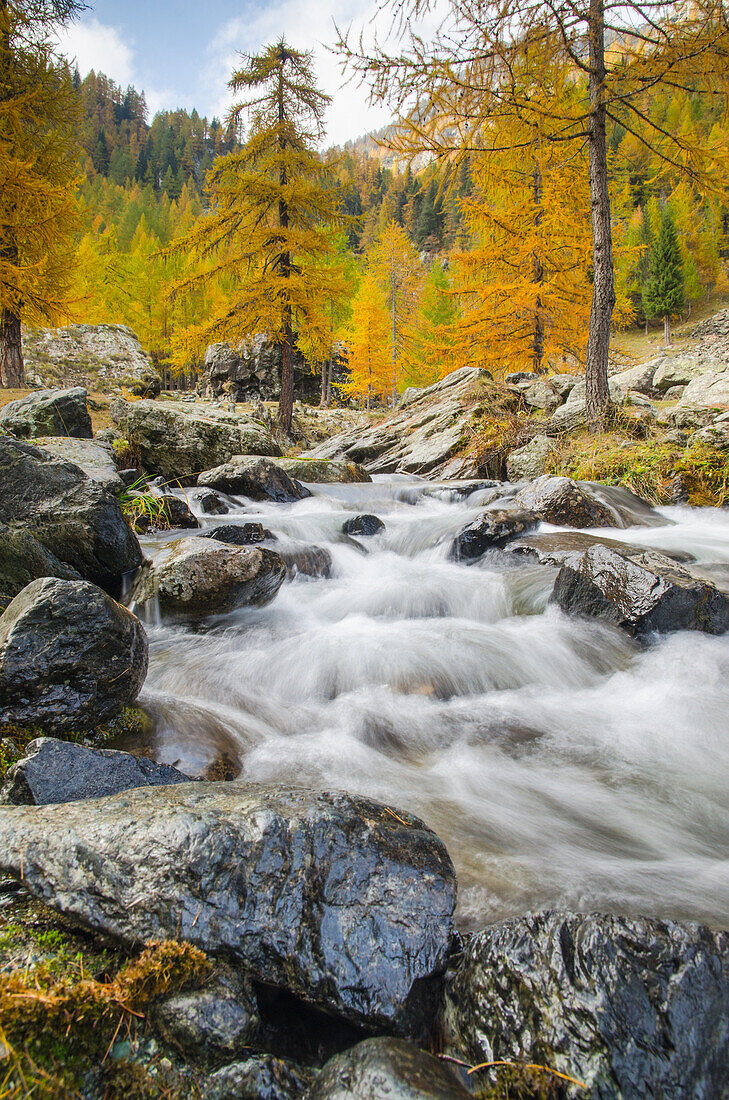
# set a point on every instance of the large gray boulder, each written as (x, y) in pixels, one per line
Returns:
(392, 1068)
(195, 577)
(530, 461)
(253, 371)
(95, 459)
(48, 412)
(79, 521)
(673, 372)
(70, 656)
(336, 898)
(494, 528)
(639, 591)
(325, 471)
(560, 547)
(631, 1007)
(63, 771)
(257, 478)
(179, 443)
(573, 414)
(710, 389)
(102, 357)
(564, 502)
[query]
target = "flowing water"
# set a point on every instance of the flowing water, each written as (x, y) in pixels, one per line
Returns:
(561, 764)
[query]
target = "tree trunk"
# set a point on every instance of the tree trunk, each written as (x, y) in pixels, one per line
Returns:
(286, 400)
(603, 289)
(667, 331)
(12, 373)
(323, 397)
(538, 278)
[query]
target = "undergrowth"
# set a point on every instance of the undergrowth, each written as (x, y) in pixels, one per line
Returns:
(658, 471)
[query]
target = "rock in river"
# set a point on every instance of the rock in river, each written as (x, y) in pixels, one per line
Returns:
(492, 529)
(365, 525)
(336, 898)
(194, 577)
(392, 1068)
(79, 521)
(23, 559)
(639, 591)
(62, 771)
(70, 656)
(564, 502)
(256, 478)
(633, 1008)
(48, 412)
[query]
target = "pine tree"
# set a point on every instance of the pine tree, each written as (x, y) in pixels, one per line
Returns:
(37, 175)
(663, 293)
(369, 344)
(271, 205)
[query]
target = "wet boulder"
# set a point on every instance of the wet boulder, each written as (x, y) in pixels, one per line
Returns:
(302, 559)
(238, 534)
(177, 512)
(212, 1024)
(324, 471)
(23, 559)
(95, 459)
(70, 656)
(257, 479)
(62, 771)
(630, 1007)
(492, 530)
(79, 521)
(179, 443)
(262, 1077)
(565, 547)
(195, 577)
(386, 1067)
(48, 412)
(336, 898)
(639, 591)
(565, 503)
(210, 503)
(364, 526)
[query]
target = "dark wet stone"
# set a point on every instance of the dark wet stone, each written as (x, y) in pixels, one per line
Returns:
(333, 897)
(177, 512)
(23, 559)
(262, 1077)
(302, 559)
(631, 1007)
(256, 478)
(564, 502)
(492, 530)
(70, 656)
(238, 534)
(211, 503)
(55, 771)
(639, 591)
(78, 520)
(363, 525)
(392, 1068)
(48, 413)
(565, 547)
(213, 1024)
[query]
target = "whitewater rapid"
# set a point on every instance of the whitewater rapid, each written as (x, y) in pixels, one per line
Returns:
(561, 763)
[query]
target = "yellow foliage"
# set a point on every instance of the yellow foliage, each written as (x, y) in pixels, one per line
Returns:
(370, 345)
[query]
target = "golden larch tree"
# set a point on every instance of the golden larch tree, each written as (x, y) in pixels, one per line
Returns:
(369, 365)
(395, 265)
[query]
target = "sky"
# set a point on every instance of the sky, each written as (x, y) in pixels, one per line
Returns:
(181, 53)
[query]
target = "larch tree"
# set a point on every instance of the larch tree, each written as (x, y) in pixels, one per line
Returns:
(271, 208)
(38, 171)
(449, 86)
(663, 291)
(368, 342)
(395, 265)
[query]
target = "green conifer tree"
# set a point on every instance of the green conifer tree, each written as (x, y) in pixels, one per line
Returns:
(663, 292)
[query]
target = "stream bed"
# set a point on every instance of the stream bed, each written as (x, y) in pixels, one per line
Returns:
(561, 763)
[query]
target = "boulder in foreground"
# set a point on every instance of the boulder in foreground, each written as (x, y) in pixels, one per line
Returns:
(631, 1007)
(70, 656)
(61, 771)
(392, 1068)
(194, 577)
(324, 471)
(565, 503)
(333, 897)
(639, 591)
(48, 412)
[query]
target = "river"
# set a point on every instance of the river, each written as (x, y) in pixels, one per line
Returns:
(561, 763)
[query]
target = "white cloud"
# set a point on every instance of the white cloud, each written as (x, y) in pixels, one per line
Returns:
(306, 26)
(93, 45)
